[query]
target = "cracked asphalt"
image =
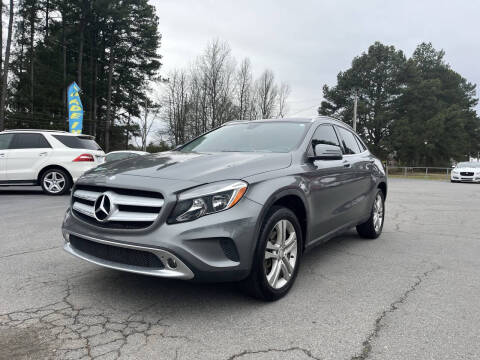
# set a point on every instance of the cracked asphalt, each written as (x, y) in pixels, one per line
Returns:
(411, 294)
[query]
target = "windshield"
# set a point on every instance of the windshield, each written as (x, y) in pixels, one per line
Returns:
(468, 165)
(276, 137)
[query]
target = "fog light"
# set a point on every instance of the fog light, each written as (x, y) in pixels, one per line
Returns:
(172, 263)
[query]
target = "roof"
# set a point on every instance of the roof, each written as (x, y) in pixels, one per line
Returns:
(299, 120)
(59, 132)
(35, 130)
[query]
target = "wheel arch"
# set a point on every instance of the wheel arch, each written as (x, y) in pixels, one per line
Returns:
(292, 199)
(49, 167)
(383, 186)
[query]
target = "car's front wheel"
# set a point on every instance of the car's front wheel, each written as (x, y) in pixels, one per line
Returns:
(372, 228)
(55, 182)
(278, 255)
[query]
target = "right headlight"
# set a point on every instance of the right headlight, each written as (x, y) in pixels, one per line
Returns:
(207, 199)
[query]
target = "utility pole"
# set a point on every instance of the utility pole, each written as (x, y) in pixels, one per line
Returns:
(355, 111)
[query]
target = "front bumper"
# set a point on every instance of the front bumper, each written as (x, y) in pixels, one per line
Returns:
(173, 267)
(217, 247)
(461, 178)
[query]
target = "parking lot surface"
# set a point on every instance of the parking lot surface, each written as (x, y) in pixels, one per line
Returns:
(411, 294)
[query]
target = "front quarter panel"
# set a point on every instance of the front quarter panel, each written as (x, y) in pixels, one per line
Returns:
(266, 189)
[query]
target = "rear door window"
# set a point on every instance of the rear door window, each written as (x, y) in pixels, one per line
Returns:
(78, 142)
(29, 141)
(360, 144)
(349, 143)
(5, 140)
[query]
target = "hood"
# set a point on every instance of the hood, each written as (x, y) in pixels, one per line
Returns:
(197, 167)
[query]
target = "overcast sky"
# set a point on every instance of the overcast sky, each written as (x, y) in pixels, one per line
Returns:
(306, 43)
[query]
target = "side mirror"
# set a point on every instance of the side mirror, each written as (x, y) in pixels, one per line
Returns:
(326, 152)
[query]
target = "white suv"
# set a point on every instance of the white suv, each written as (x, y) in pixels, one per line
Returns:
(52, 159)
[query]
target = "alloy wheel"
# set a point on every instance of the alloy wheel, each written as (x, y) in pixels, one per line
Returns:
(378, 213)
(54, 182)
(281, 254)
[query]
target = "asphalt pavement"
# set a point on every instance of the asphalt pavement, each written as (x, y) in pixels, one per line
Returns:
(414, 293)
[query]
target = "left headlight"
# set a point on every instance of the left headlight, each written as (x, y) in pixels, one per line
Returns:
(207, 199)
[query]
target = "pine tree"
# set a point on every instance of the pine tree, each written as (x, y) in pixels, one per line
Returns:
(108, 47)
(376, 78)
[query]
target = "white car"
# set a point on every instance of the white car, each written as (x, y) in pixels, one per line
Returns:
(466, 172)
(124, 154)
(52, 159)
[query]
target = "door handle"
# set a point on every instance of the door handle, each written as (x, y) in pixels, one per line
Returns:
(2, 155)
(42, 153)
(347, 165)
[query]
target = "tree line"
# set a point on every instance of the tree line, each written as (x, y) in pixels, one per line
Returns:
(416, 111)
(215, 89)
(109, 47)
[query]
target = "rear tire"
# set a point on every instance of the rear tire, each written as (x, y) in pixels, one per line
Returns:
(277, 258)
(55, 182)
(372, 228)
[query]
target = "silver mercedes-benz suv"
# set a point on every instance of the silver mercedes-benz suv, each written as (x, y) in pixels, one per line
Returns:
(240, 203)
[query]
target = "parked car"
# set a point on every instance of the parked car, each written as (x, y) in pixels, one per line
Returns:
(123, 154)
(52, 159)
(240, 203)
(466, 172)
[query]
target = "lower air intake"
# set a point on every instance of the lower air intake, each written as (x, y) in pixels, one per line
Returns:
(116, 254)
(229, 249)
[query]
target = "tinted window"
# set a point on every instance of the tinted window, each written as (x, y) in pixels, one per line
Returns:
(277, 137)
(5, 140)
(120, 156)
(325, 134)
(29, 141)
(350, 145)
(78, 142)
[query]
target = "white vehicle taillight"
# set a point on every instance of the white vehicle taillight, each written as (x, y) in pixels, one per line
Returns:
(84, 157)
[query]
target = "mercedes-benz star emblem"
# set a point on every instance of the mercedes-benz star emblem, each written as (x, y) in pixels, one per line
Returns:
(102, 207)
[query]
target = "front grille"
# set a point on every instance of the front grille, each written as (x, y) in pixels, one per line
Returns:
(125, 208)
(466, 173)
(116, 254)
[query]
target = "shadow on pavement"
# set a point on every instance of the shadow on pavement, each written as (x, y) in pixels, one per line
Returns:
(123, 290)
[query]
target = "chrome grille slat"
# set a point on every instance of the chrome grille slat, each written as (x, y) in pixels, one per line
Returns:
(132, 216)
(84, 209)
(136, 211)
(135, 200)
(86, 195)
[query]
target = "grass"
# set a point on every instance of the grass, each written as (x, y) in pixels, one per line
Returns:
(422, 175)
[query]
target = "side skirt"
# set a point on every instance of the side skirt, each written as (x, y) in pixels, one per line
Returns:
(18, 182)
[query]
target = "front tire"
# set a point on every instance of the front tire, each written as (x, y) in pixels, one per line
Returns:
(277, 259)
(55, 182)
(372, 228)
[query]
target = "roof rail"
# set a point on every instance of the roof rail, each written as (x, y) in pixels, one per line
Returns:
(340, 122)
(36, 130)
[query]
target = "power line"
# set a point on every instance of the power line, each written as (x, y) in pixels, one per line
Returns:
(302, 110)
